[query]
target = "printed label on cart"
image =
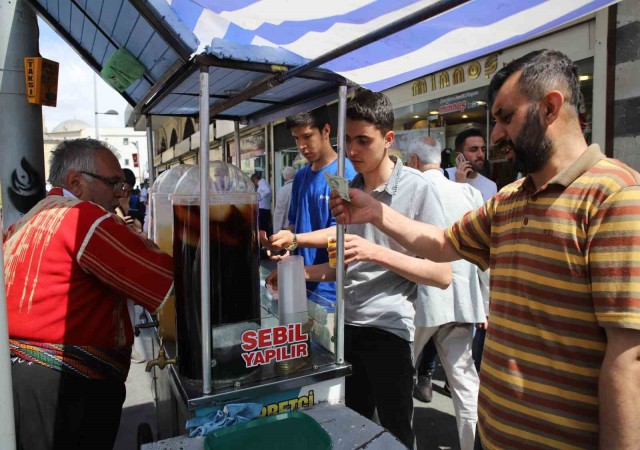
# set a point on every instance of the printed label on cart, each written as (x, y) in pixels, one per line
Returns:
(290, 404)
(275, 344)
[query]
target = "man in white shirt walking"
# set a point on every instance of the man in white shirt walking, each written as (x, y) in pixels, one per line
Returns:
(448, 316)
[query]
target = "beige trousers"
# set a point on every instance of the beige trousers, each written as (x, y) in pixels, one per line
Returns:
(453, 342)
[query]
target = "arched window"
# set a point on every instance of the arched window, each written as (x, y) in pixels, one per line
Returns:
(188, 129)
(174, 138)
(163, 144)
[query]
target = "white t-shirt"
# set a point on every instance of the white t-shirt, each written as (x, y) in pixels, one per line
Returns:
(486, 187)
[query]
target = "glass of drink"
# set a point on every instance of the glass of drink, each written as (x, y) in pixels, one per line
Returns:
(332, 250)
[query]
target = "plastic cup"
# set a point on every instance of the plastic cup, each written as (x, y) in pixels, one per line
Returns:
(331, 242)
(292, 291)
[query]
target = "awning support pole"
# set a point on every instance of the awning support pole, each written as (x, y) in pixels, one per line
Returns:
(340, 271)
(205, 306)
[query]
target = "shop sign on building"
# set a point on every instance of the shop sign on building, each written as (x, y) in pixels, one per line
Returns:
(250, 146)
(462, 101)
(456, 75)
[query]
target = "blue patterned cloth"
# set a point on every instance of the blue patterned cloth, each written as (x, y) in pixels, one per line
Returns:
(231, 414)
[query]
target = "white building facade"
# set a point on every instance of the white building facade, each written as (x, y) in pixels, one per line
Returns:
(131, 145)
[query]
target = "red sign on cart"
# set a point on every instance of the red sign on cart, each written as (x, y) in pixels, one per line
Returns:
(275, 344)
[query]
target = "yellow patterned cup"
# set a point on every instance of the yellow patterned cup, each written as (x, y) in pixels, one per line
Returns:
(332, 250)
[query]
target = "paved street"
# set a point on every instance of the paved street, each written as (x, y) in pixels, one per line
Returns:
(138, 405)
(435, 423)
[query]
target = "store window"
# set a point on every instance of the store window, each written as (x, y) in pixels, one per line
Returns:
(442, 118)
(252, 153)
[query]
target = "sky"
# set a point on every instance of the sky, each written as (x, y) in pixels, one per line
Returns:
(76, 87)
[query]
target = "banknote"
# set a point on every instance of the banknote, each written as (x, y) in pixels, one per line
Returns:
(337, 183)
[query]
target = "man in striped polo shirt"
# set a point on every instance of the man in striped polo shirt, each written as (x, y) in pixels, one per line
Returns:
(561, 367)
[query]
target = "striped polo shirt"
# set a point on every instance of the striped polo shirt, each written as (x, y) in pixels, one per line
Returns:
(564, 266)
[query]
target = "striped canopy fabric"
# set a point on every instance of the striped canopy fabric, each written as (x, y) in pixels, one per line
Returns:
(312, 28)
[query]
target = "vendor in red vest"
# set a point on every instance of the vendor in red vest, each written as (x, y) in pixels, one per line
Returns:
(70, 265)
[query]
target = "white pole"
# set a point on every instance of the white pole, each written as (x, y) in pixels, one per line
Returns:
(342, 119)
(205, 281)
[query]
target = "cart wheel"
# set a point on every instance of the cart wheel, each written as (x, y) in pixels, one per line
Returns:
(145, 436)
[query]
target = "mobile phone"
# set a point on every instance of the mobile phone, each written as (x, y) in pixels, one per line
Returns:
(460, 159)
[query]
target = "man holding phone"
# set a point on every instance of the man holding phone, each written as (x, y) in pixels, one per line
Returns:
(470, 158)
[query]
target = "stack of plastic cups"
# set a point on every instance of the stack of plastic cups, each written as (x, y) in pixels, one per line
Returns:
(292, 304)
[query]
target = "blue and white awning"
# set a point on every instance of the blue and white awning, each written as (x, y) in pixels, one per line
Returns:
(248, 41)
(312, 28)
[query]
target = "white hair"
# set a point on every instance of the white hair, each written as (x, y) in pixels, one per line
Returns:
(427, 149)
(288, 173)
(74, 154)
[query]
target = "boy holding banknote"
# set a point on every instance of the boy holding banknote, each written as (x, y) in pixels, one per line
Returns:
(381, 276)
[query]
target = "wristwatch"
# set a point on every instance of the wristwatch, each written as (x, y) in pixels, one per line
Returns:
(294, 245)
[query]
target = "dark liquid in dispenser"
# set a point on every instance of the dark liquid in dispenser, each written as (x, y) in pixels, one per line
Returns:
(235, 289)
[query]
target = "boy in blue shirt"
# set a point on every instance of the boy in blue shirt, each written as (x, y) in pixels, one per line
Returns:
(309, 207)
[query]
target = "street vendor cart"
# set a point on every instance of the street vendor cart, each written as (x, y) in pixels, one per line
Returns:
(224, 339)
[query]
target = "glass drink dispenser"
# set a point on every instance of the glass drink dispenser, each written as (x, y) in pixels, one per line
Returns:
(234, 270)
(161, 217)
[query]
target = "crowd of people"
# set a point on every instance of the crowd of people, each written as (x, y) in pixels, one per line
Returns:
(561, 363)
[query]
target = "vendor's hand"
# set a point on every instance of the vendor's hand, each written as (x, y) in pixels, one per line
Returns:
(463, 171)
(129, 221)
(272, 280)
(134, 224)
(362, 208)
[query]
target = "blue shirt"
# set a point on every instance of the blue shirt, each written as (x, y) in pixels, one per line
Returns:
(309, 211)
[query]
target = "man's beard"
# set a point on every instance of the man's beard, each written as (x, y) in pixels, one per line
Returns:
(477, 166)
(532, 147)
